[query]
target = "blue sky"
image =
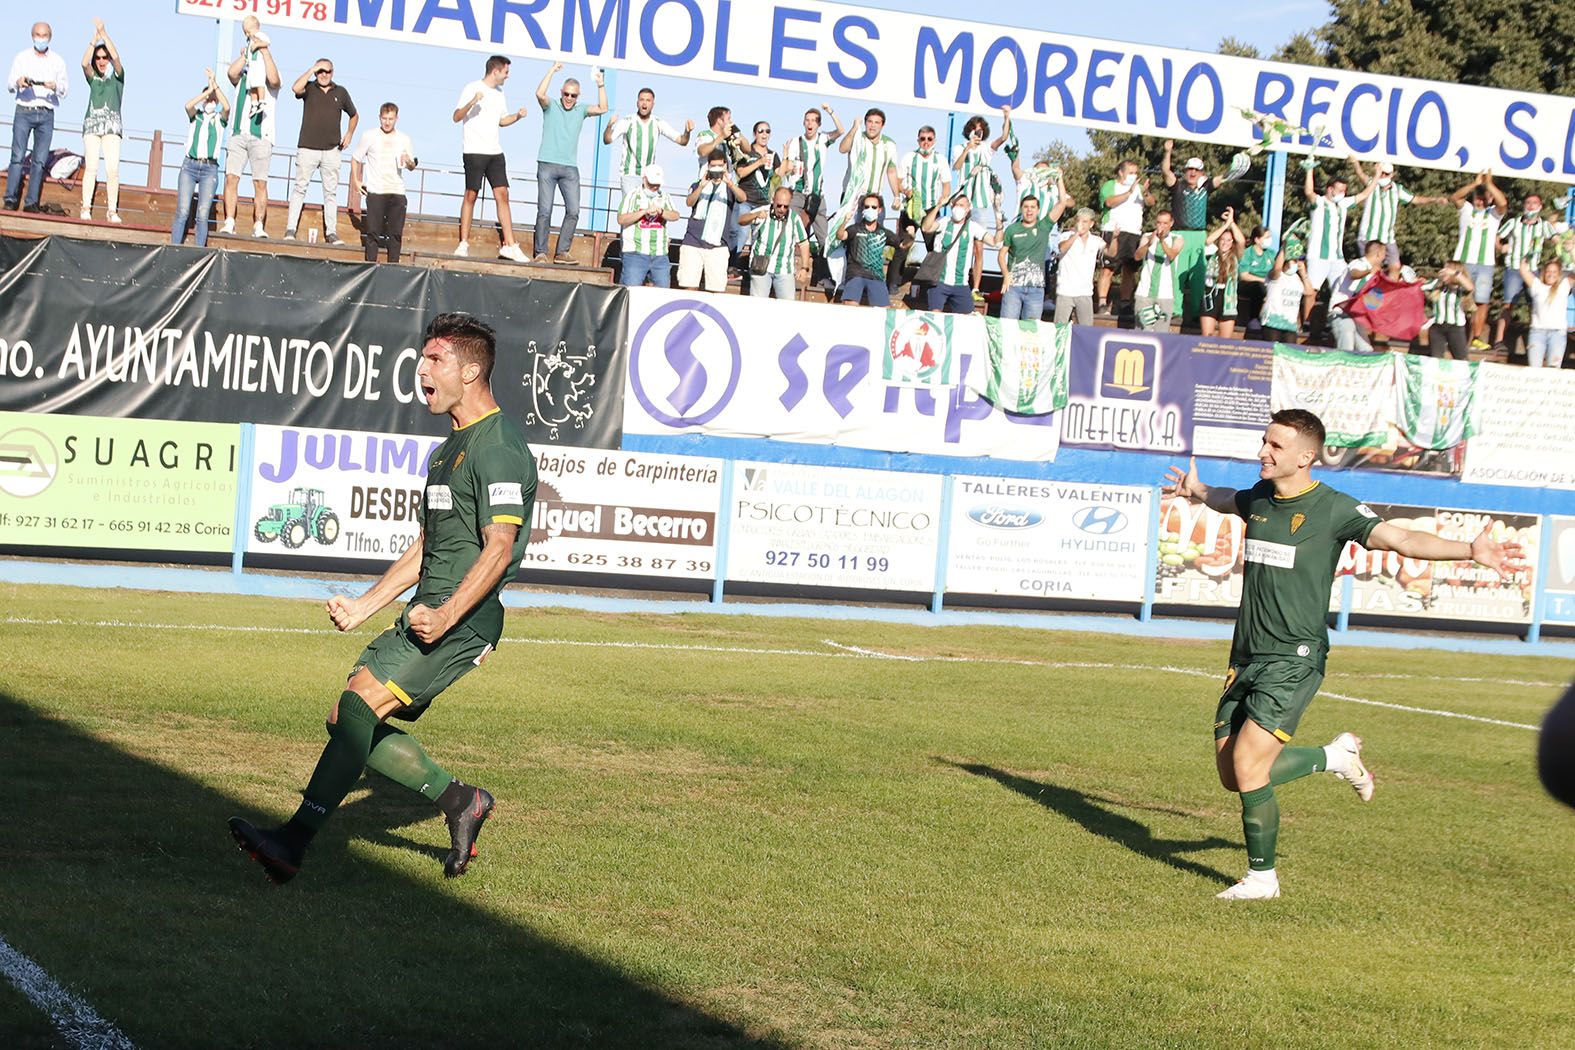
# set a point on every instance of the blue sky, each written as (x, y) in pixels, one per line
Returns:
(165, 54)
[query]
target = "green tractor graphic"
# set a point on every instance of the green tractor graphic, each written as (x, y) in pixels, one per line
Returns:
(291, 523)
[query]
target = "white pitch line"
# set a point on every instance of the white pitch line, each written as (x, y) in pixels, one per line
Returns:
(76, 1021)
(839, 650)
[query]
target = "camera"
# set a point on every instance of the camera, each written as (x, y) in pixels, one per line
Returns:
(715, 176)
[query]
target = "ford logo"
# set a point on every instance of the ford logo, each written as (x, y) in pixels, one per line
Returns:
(992, 516)
(1100, 521)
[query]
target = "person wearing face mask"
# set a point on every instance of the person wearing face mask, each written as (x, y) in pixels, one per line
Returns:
(1521, 239)
(207, 112)
(1122, 199)
(1381, 214)
(779, 260)
(644, 214)
(866, 241)
(1482, 206)
(102, 126)
(38, 80)
(956, 241)
(1326, 215)
(1256, 262)
(1080, 250)
(703, 251)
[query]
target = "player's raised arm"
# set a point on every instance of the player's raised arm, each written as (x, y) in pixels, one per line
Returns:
(1186, 485)
(1504, 558)
(350, 613)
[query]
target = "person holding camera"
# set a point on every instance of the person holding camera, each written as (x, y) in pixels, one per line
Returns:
(643, 215)
(320, 144)
(779, 260)
(558, 162)
(38, 80)
(703, 251)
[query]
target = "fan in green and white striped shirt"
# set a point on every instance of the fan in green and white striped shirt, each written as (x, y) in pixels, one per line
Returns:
(925, 175)
(1482, 207)
(646, 235)
(1445, 301)
(1523, 236)
(778, 238)
(206, 133)
(638, 132)
(806, 158)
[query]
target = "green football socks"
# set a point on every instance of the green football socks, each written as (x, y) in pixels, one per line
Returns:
(1260, 825)
(1293, 763)
(399, 757)
(343, 759)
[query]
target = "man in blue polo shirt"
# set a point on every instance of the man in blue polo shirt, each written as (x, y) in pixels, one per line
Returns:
(558, 162)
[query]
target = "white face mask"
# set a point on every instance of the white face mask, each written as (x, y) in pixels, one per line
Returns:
(1128, 180)
(40, 43)
(1337, 197)
(1532, 213)
(1384, 181)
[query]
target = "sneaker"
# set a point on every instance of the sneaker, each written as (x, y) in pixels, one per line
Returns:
(228, 227)
(462, 248)
(1479, 344)
(1501, 347)
(86, 213)
(541, 257)
(333, 238)
(114, 217)
(512, 252)
(11, 205)
(462, 832)
(289, 235)
(1345, 753)
(1253, 888)
(563, 260)
(279, 862)
(258, 231)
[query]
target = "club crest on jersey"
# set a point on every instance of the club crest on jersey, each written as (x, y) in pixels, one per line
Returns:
(1297, 520)
(461, 458)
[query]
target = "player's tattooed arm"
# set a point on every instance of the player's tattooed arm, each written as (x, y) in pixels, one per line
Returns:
(497, 556)
(1185, 484)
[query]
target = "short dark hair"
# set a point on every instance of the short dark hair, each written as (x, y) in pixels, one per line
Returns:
(717, 154)
(388, 107)
(1164, 211)
(472, 338)
(874, 112)
(814, 113)
(715, 115)
(1257, 231)
(645, 91)
(1341, 179)
(977, 122)
(1303, 422)
(497, 62)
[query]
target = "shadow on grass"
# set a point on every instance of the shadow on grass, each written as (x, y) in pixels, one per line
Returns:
(1106, 823)
(117, 876)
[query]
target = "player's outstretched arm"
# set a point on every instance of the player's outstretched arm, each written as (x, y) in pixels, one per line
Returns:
(497, 554)
(1504, 558)
(350, 613)
(1186, 485)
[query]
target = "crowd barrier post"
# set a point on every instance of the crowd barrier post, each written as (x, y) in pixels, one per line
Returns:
(943, 544)
(724, 521)
(1274, 195)
(1151, 555)
(602, 202)
(223, 48)
(1539, 594)
(243, 497)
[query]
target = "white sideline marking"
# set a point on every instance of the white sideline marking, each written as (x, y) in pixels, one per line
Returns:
(839, 650)
(76, 1021)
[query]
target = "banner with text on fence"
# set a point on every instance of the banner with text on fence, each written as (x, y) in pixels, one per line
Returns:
(868, 56)
(117, 484)
(1146, 392)
(177, 333)
(1048, 539)
(331, 494)
(736, 366)
(1559, 587)
(1524, 434)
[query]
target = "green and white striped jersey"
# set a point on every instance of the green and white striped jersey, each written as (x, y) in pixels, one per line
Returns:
(1157, 279)
(956, 243)
(867, 164)
(648, 236)
(1043, 185)
(1445, 303)
(973, 178)
(806, 156)
(1326, 229)
(206, 133)
(778, 240)
(1525, 238)
(639, 141)
(1382, 212)
(1478, 235)
(926, 175)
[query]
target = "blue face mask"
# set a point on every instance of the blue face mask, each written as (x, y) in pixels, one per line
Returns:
(871, 214)
(40, 43)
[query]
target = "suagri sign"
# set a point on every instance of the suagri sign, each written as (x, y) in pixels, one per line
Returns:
(902, 58)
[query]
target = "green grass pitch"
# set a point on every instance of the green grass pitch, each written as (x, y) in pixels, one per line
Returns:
(727, 831)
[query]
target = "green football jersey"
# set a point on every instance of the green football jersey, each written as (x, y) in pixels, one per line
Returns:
(481, 474)
(1293, 546)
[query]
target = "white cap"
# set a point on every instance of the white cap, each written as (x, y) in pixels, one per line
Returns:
(1193, 162)
(654, 174)
(1386, 168)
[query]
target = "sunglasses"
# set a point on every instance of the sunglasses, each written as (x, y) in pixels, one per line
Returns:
(571, 94)
(926, 138)
(325, 72)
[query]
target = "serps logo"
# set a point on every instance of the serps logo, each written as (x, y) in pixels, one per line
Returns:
(1100, 521)
(676, 361)
(1128, 368)
(28, 462)
(995, 516)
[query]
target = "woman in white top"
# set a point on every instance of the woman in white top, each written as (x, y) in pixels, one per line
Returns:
(1550, 300)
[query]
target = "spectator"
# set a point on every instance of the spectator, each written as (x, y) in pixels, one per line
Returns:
(779, 261)
(558, 162)
(1022, 261)
(926, 182)
(720, 133)
(1080, 250)
(480, 112)
(1550, 303)
(1446, 300)
(1189, 195)
(867, 241)
(38, 79)
(703, 253)
(1158, 286)
(1349, 334)
(1381, 214)
(638, 133)
(643, 215)
(1482, 206)
(805, 157)
(1287, 286)
(320, 144)
(1222, 252)
(1521, 240)
(207, 112)
(958, 236)
(1326, 215)
(872, 157)
(256, 81)
(101, 126)
(1122, 199)
(974, 175)
(755, 174)
(1256, 262)
(377, 168)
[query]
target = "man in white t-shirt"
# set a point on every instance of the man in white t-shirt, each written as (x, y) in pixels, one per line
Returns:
(481, 111)
(638, 132)
(256, 81)
(1122, 199)
(1081, 249)
(377, 168)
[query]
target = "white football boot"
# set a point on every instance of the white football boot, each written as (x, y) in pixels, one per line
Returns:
(1345, 761)
(1257, 886)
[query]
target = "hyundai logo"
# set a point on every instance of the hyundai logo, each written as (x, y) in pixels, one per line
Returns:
(993, 516)
(1101, 521)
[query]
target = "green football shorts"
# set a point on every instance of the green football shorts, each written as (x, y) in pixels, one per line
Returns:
(1273, 693)
(415, 671)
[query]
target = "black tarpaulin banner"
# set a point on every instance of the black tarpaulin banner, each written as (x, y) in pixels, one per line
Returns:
(98, 329)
